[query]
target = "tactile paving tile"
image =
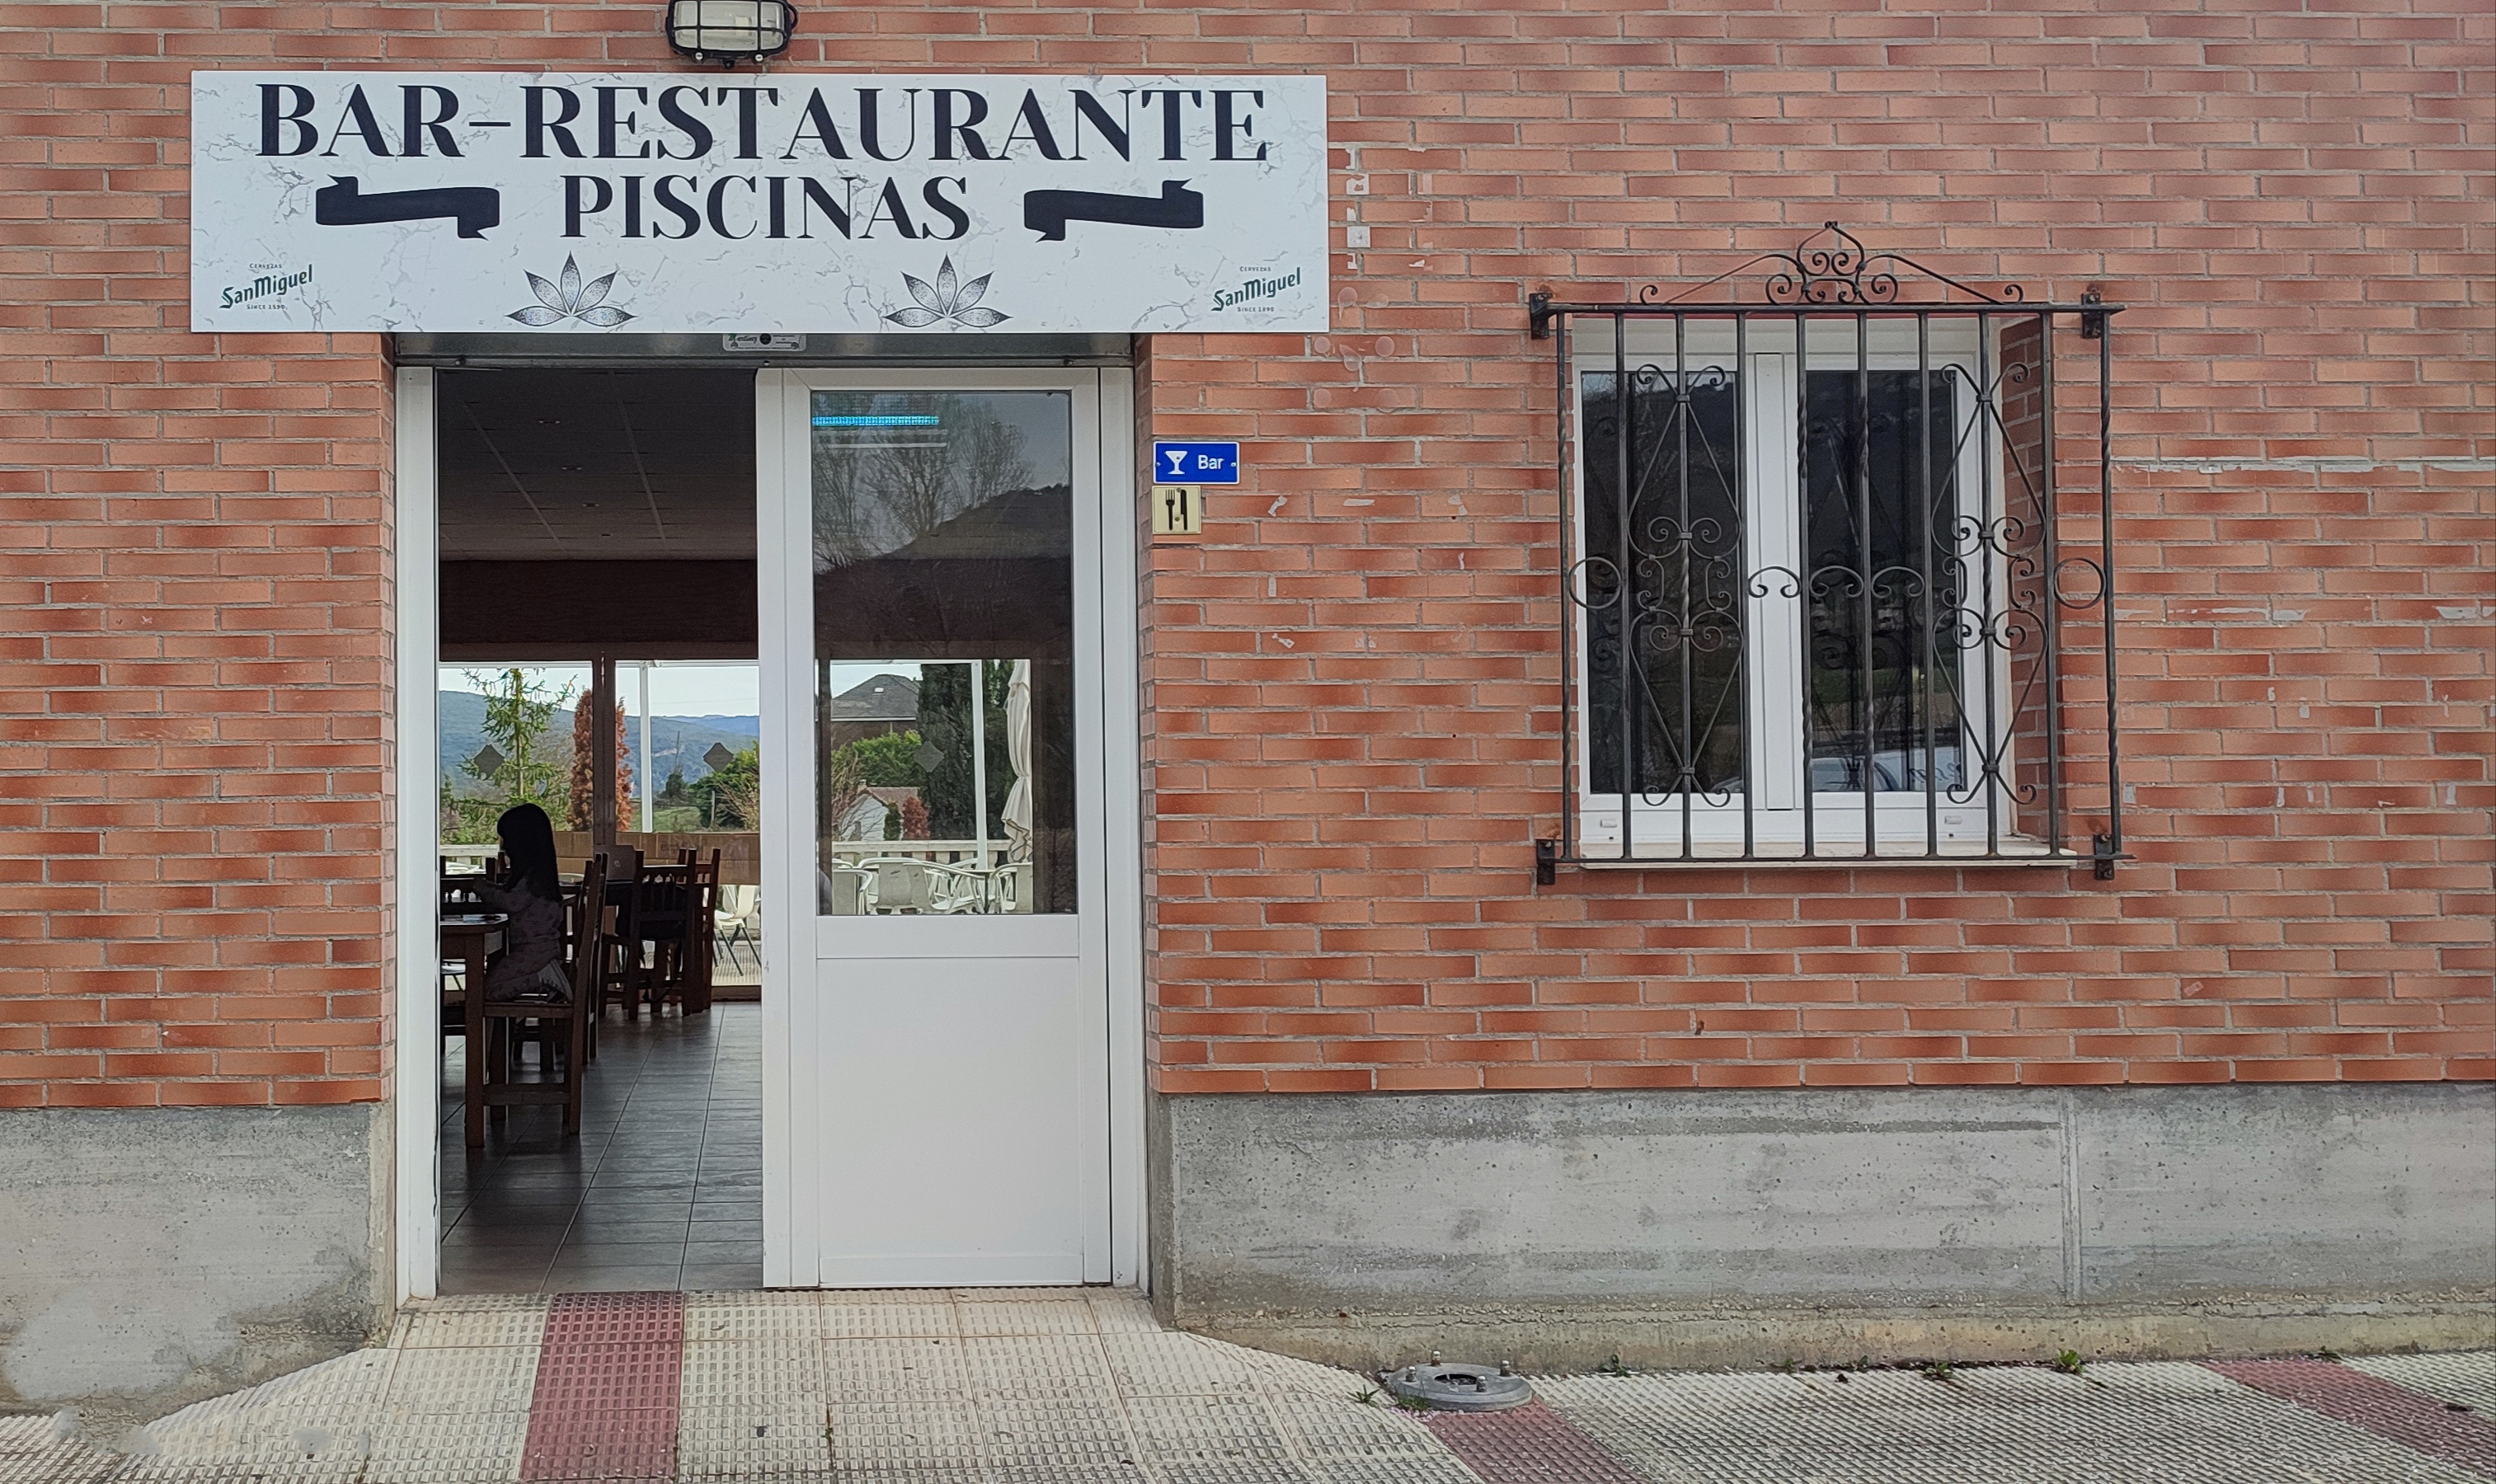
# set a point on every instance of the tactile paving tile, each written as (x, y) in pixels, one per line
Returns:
(1036, 1365)
(856, 1370)
(2464, 1378)
(1293, 1374)
(769, 1316)
(316, 1437)
(1343, 1430)
(2369, 1402)
(1416, 1469)
(609, 1387)
(2122, 1424)
(755, 1373)
(752, 1442)
(891, 1436)
(1529, 1444)
(887, 1321)
(1112, 1313)
(1026, 1316)
(592, 1378)
(616, 1318)
(1173, 1365)
(1205, 1430)
(313, 1423)
(59, 1467)
(332, 1393)
(1233, 1471)
(433, 1326)
(357, 1379)
(162, 1471)
(1058, 1433)
(613, 1445)
(30, 1454)
(483, 1303)
(480, 1378)
(447, 1447)
(20, 1436)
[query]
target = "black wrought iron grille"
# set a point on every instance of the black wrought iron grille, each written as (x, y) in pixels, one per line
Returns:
(1839, 571)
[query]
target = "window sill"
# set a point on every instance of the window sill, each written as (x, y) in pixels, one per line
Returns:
(1717, 854)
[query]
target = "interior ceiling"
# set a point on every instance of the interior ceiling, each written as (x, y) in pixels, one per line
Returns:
(595, 465)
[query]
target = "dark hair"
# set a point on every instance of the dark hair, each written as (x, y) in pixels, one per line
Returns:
(528, 839)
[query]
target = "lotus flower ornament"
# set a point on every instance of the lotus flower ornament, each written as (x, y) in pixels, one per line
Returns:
(947, 299)
(569, 299)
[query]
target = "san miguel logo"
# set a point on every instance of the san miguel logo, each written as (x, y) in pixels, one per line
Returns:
(268, 285)
(1253, 290)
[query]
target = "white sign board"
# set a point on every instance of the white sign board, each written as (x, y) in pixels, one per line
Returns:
(747, 203)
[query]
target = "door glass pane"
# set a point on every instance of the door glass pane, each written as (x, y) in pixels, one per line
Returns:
(944, 652)
(1888, 579)
(1663, 584)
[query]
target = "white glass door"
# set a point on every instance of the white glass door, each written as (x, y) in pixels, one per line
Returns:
(932, 661)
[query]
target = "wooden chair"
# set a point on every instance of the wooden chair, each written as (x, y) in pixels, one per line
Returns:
(620, 985)
(675, 922)
(453, 976)
(660, 902)
(688, 979)
(585, 930)
(494, 1055)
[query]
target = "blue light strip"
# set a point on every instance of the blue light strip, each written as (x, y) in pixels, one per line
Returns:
(878, 420)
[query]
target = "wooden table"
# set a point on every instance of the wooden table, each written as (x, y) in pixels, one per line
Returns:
(471, 937)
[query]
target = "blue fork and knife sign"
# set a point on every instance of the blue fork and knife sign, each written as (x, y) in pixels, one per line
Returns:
(1196, 463)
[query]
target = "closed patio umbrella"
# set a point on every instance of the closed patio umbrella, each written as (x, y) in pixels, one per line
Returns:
(1018, 810)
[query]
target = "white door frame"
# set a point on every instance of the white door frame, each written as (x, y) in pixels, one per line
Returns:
(1106, 604)
(415, 1198)
(416, 1050)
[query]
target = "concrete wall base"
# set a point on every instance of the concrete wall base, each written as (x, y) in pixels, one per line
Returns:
(150, 1258)
(1586, 1337)
(1749, 1227)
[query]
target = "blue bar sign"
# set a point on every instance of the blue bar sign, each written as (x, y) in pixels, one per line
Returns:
(1196, 463)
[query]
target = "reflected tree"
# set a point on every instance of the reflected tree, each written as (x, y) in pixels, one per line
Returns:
(903, 465)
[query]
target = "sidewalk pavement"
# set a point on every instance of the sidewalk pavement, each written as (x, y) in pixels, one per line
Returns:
(1074, 1386)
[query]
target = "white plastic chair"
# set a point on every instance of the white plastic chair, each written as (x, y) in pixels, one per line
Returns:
(958, 888)
(1012, 886)
(844, 892)
(902, 885)
(739, 919)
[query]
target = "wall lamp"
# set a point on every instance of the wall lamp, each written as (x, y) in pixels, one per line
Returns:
(729, 31)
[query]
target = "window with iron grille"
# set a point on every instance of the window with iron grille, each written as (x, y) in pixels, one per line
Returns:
(1838, 570)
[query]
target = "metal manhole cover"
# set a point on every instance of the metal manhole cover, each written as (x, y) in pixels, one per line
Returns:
(1459, 1388)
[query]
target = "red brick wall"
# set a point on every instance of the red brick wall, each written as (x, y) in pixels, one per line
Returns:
(1353, 732)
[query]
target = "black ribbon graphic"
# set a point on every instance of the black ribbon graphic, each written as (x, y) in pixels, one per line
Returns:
(342, 203)
(1047, 212)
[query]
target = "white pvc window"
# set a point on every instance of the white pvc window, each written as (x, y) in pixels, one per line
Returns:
(1795, 623)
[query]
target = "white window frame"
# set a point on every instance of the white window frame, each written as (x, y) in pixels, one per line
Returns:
(1774, 729)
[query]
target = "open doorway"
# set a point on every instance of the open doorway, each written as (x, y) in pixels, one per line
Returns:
(601, 1121)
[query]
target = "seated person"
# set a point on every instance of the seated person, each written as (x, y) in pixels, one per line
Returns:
(531, 968)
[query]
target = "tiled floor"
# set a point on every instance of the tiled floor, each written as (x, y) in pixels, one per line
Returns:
(962, 1386)
(662, 1189)
(1077, 1387)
